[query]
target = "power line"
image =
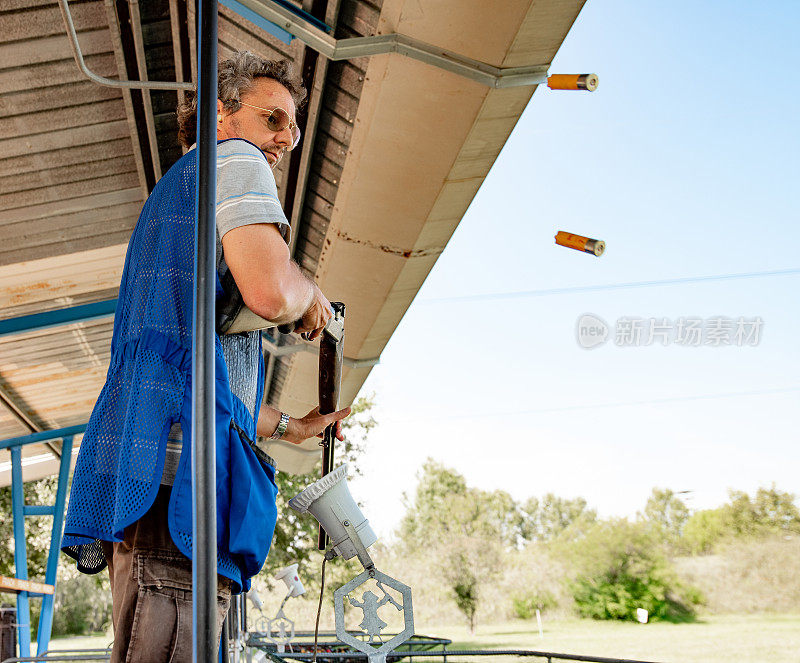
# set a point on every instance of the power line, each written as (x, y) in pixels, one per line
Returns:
(572, 408)
(608, 286)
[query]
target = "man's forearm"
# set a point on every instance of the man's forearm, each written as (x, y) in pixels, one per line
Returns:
(272, 285)
(297, 294)
(299, 429)
(281, 297)
(268, 419)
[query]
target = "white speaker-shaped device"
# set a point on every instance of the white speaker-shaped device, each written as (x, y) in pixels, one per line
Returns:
(330, 502)
(256, 599)
(293, 583)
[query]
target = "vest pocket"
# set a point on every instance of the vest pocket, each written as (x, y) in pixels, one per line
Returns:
(266, 461)
(252, 503)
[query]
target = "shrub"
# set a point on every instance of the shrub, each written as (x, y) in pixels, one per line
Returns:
(525, 606)
(618, 597)
(82, 603)
(621, 567)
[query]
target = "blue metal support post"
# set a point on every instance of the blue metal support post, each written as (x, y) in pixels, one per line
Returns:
(19, 510)
(204, 505)
(20, 552)
(46, 616)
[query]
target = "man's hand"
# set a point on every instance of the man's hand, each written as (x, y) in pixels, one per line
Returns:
(316, 317)
(313, 425)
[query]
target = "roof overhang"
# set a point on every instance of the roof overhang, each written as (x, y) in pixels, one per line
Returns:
(423, 141)
(395, 149)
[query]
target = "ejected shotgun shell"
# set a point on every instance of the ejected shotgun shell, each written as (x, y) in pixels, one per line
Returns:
(586, 82)
(594, 246)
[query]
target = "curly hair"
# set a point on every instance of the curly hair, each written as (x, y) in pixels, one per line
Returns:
(236, 75)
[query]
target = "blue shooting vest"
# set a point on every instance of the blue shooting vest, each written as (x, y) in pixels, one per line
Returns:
(149, 388)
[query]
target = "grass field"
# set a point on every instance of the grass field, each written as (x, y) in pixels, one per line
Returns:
(95, 641)
(716, 639)
(726, 639)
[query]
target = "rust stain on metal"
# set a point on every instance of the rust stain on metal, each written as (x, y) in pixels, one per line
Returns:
(392, 250)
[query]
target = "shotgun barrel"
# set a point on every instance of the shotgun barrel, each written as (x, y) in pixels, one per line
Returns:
(331, 349)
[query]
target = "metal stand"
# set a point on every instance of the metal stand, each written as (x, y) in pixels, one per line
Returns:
(370, 603)
(281, 626)
(372, 624)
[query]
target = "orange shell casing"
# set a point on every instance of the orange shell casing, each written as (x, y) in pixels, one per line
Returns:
(571, 241)
(563, 81)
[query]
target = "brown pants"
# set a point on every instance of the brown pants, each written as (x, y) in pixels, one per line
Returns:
(151, 588)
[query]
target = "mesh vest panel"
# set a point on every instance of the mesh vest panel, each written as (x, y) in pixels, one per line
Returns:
(148, 388)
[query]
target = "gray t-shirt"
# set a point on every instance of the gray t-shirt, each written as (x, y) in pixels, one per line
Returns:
(246, 194)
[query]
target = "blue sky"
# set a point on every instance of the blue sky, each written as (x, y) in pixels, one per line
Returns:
(685, 162)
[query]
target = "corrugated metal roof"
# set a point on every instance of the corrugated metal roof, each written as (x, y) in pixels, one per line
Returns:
(54, 374)
(68, 176)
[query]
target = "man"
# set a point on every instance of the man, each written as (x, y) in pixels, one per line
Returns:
(130, 504)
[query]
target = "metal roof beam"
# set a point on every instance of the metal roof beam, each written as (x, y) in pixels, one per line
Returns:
(43, 436)
(177, 52)
(13, 407)
(113, 26)
(341, 49)
(356, 47)
(102, 80)
(141, 64)
(62, 316)
(241, 8)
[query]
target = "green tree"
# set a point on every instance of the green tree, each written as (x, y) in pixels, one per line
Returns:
(703, 529)
(464, 586)
(552, 516)
(444, 505)
(667, 513)
(769, 512)
(82, 603)
(463, 529)
(620, 566)
(37, 528)
(776, 510)
(740, 515)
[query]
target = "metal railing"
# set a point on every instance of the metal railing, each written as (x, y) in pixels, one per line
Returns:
(88, 654)
(455, 653)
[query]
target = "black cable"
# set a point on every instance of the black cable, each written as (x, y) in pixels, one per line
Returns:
(607, 286)
(568, 408)
(319, 608)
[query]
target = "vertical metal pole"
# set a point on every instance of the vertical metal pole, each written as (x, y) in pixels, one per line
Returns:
(204, 507)
(20, 551)
(225, 640)
(243, 616)
(51, 574)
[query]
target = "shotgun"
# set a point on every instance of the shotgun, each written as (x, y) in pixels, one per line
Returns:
(331, 346)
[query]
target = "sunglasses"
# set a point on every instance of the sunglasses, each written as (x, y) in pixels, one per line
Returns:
(277, 120)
